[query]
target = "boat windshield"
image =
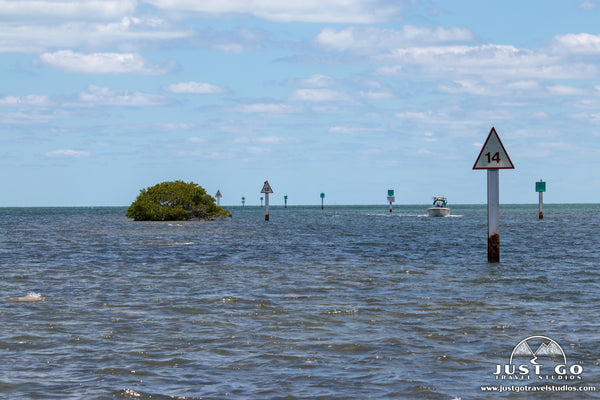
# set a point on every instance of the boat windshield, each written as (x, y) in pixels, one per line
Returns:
(441, 203)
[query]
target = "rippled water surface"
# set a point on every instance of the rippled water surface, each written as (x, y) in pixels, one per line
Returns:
(347, 302)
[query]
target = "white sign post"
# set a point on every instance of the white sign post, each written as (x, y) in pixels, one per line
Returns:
(266, 190)
(218, 196)
(493, 157)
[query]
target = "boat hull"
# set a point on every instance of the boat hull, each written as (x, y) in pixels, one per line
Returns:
(438, 212)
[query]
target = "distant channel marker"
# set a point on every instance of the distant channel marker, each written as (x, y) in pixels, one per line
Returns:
(391, 198)
(540, 187)
(493, 157)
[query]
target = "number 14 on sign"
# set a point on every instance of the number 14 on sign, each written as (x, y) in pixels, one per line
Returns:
(495, 157)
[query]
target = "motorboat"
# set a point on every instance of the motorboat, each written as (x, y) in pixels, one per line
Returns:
(439, 207)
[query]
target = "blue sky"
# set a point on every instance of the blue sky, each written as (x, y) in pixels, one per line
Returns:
(102, 98)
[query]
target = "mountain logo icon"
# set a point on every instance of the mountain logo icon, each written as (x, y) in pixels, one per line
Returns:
(535, 347)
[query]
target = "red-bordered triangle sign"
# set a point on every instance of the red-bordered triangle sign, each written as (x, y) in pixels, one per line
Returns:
(493, 155)
(266, 188)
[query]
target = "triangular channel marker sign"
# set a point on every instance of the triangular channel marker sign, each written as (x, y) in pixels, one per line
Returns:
(266, 188)
(493, 155)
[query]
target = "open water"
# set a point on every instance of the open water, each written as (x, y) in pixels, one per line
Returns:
(350, 302)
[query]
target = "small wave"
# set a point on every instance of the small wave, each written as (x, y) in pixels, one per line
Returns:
(340, 312)
(137, 394)
(31, 296)
(157, 243)
(230, 299)
(131, 392)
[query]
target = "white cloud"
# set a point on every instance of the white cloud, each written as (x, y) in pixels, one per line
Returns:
(587, 5)
(345, 129)
(564, 90)
(29, 117)
(466, 86)
(447, 57)
(442, 53)
(415, 115)
(67, 153)
(429, 137)
(322, 11)
(372, 95)
(258, 142)
(257, 150)
(539, 115)
(81, 9)
(29, 100)
(237, 41)
(267, 108)
(369, 40)
(233, 41)
(176, 126)
(195, 88)
(490, 61)
(100, 96)
(452, 119)
(317, 81)
(527, 88)
(319, 95)
(580, 43)
(594, 117)
(528, 85)
(230, 47)
(271, 140)
(42, 36)
(101, 63)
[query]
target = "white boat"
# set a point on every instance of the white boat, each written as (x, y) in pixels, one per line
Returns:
(439, 207)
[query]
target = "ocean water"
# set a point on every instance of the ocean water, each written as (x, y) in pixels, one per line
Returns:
(349, 302)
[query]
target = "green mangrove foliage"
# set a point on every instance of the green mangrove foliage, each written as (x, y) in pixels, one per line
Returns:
(175, 201)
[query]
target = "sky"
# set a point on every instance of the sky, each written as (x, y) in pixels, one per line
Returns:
(102, 98)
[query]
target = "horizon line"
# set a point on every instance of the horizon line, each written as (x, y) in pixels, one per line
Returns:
(304, 205)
